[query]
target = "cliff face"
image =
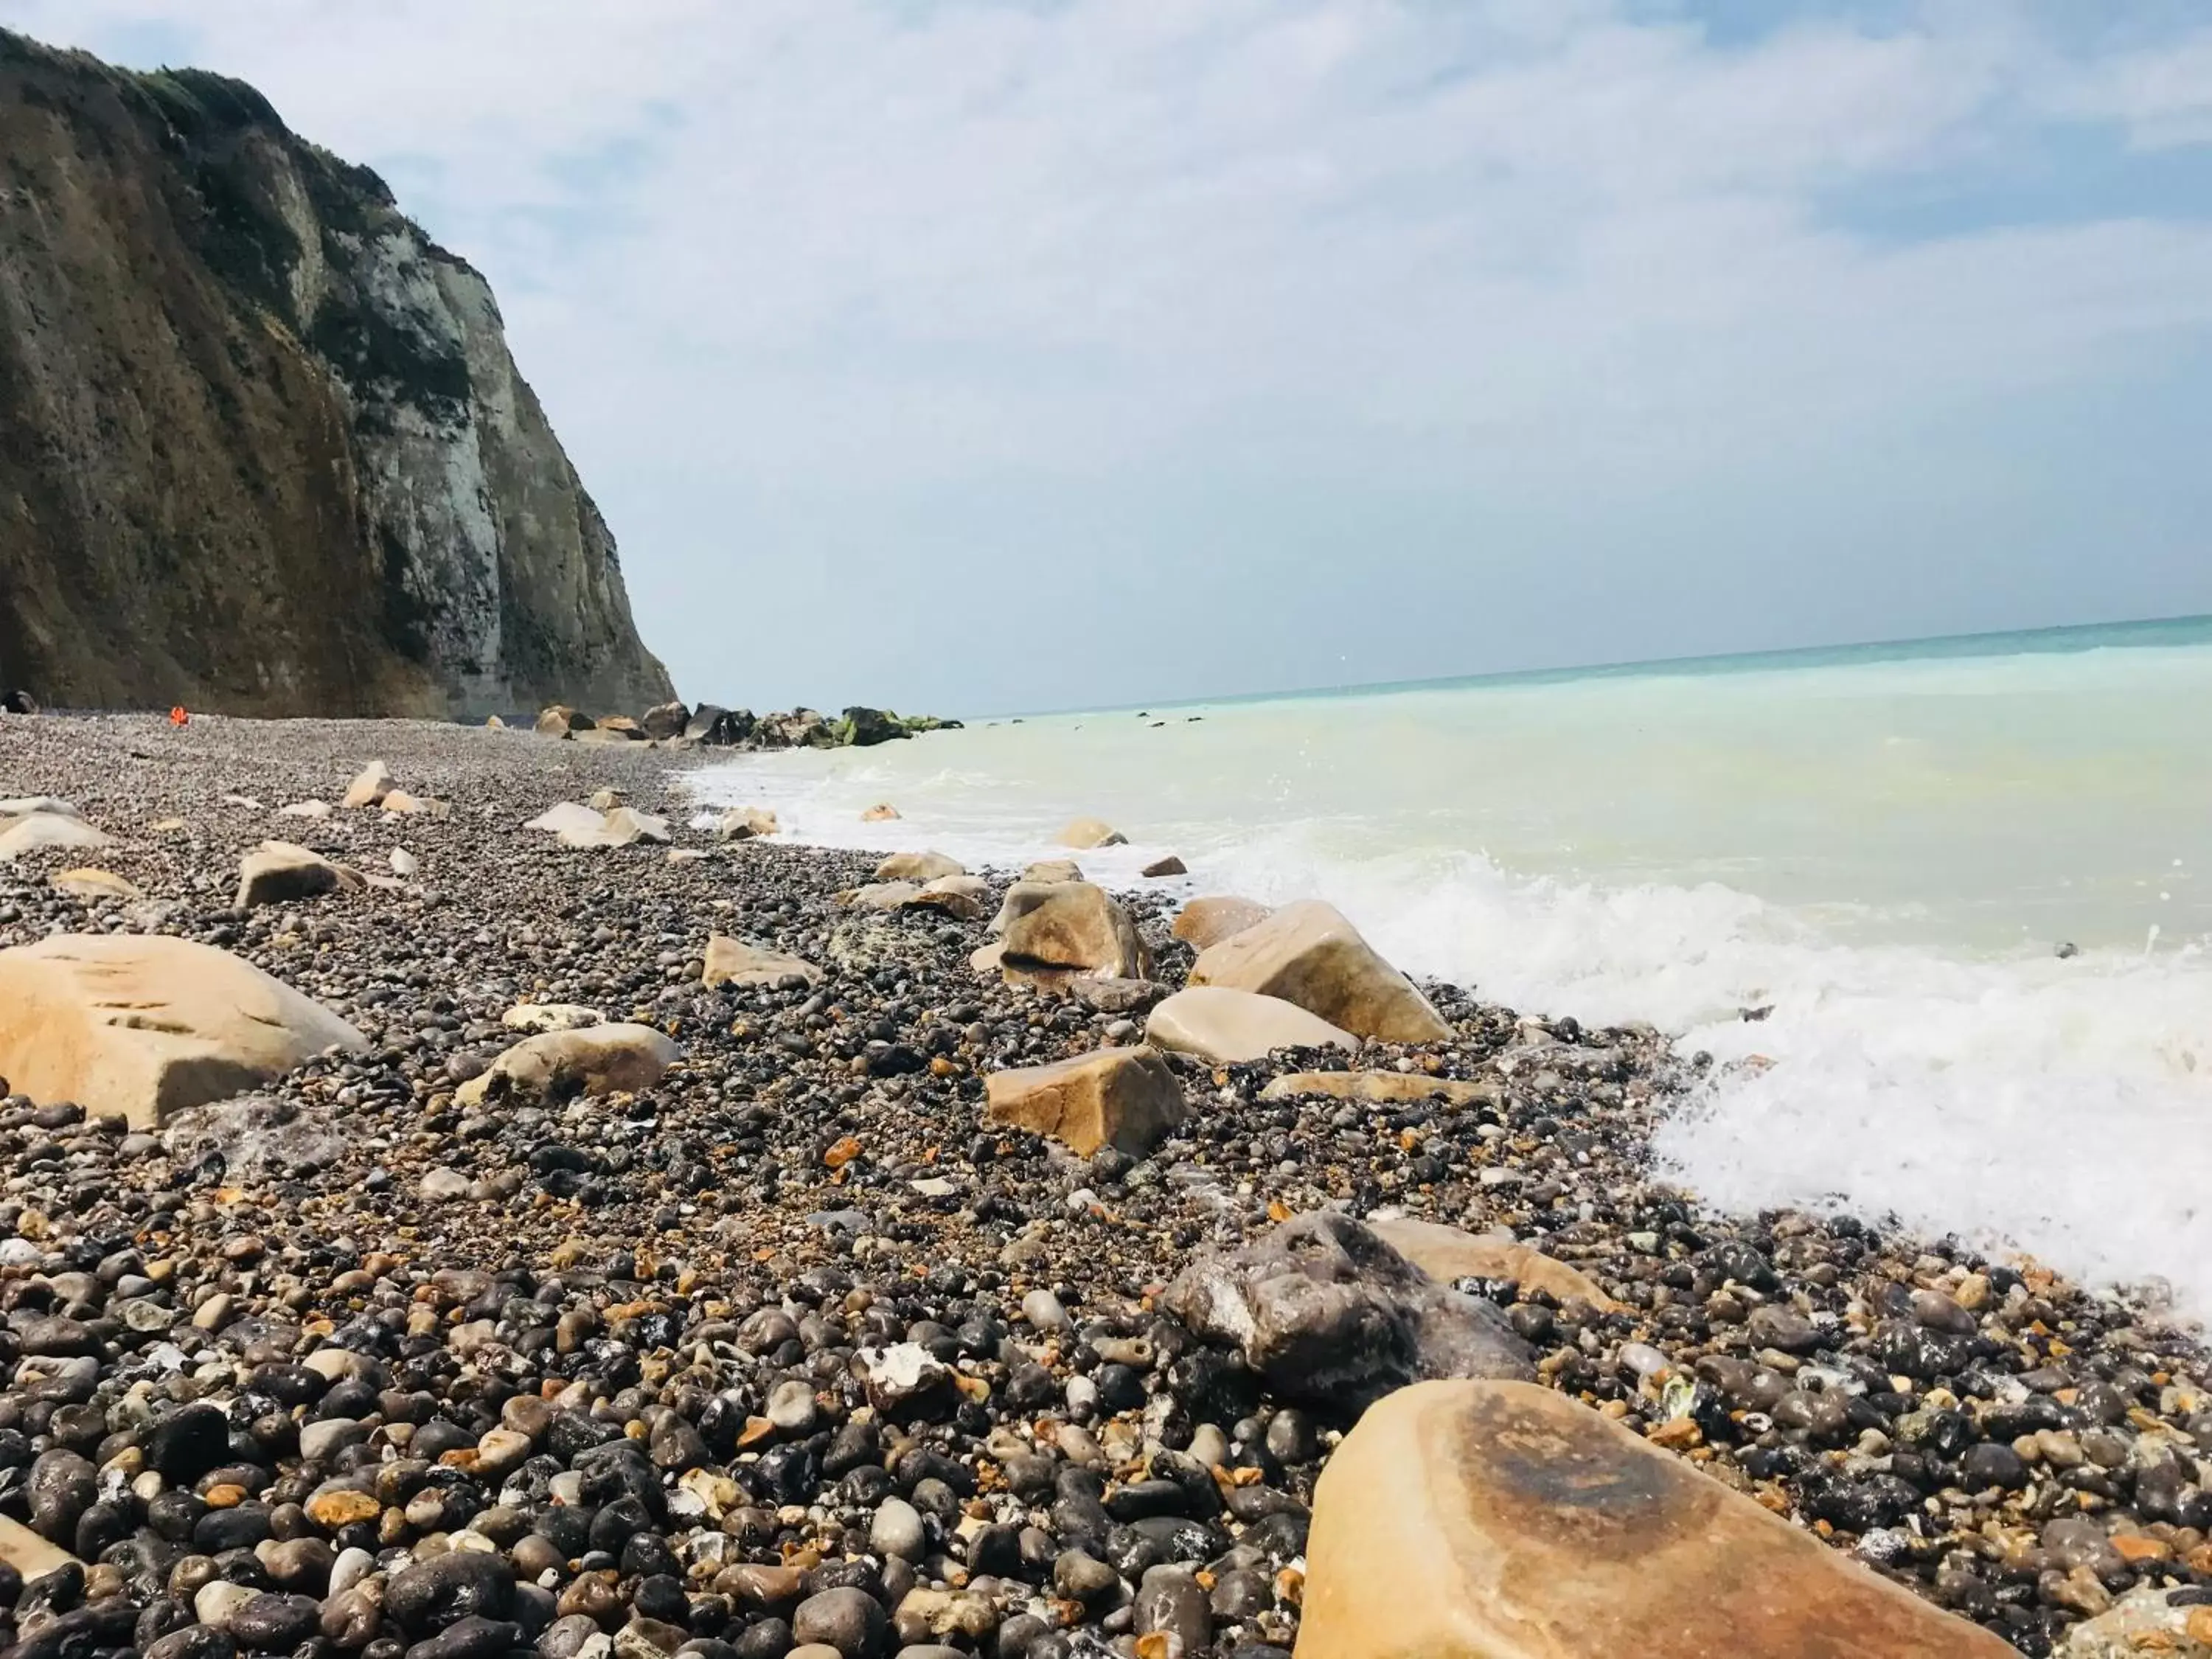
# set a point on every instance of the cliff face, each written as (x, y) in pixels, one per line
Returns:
(263, 449)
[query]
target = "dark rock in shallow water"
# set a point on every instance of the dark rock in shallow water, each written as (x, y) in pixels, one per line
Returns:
(1328, 1314)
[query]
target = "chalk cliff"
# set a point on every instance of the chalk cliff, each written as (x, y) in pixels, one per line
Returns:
(262, 448)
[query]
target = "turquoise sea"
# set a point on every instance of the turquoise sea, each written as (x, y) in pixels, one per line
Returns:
(1886, 845)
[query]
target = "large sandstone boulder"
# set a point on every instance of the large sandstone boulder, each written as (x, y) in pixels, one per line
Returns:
(1445, 1253)
(1380, 1088)
(919, 867)
(733, 961)
(1127, 1098)
(1084, 834)
(1493, 1520)
(1308, 954)
(278, 873)
(36, 832)
(594, 1059)
(1231, 1027)
(1045, 871)
(666, 720)
(145, 1026)
(1071, 926)
(1331, 1316)
(1207, 921)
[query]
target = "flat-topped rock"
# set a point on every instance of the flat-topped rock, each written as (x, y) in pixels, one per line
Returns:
(1445, 1253)
(1231, 1027)
(1045, 871)
(1489, 1520)
(1380, 1088)
(963, 897)
(279, 872)
(1072, 927)
(733, 961)
(1127, 1098)
(919, 867)
(882, 812)
(1207, 921)
(144, 1025)
(593, 1060)
(37, 832)
(1308, 954)
(90, 885)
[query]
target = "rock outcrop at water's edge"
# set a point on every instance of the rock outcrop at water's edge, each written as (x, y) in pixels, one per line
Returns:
(265, 449)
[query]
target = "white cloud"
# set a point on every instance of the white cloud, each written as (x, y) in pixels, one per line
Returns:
(792, 248)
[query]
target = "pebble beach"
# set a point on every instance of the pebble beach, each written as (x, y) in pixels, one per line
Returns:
(793, 1347)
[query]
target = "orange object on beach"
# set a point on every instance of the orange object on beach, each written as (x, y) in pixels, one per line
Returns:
(178, 717)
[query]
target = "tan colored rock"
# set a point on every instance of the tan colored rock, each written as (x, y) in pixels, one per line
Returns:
(1124, 1097)
(1445, 1253)
(559, 720)
(37, 832)
(1506, 1521)
(306, 809)
(31, 1555)
(606, 801)
(742, 822)
(145, 1026)
(568, 817)
(918, 867)
(1082, 834)
(626, 825)
(549, 1017)
(733, 961)
(1231, 1027)
(93, 885)
(624, 725)
(1308, 954)
(963, 897)
(666, 720)
(278, 873)
(1380, 1088)
(595, 1059)
(397, 803)
(989, 960)
(1169, 866)
(369, 786)
(880, 895)
(1204, 922)
(1046, 872)
(1072, 926)
(881, 813)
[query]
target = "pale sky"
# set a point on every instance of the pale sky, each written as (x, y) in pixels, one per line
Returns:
(966, 355)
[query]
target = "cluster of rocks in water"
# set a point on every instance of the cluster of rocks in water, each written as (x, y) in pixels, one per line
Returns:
(656, 1254)
(714, 727)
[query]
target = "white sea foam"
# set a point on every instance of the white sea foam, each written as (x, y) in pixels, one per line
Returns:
(1934, 1058)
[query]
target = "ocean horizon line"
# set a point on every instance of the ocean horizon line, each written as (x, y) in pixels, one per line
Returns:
(2052, 639)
